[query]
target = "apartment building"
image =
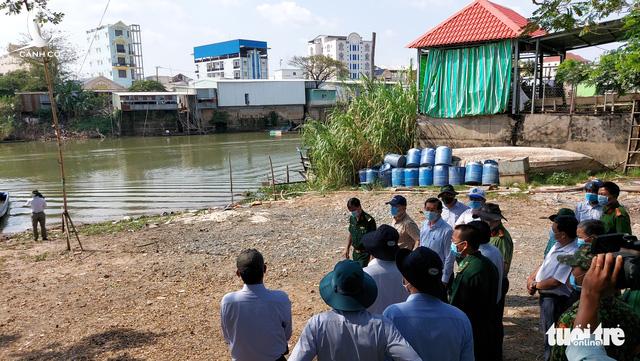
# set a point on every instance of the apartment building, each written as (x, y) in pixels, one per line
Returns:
(233, 59)
(352, 50)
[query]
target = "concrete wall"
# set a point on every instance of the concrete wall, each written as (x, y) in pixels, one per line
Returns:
(602, 137)
(254, 118)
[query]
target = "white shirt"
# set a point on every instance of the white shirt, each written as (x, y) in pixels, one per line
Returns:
(585, 211)
(256, 323)
(351, 336)
(389, 281)
(466, 217)
(493, 254)
(438, 238)
(551, 268)
(451, 215)
(37, 204)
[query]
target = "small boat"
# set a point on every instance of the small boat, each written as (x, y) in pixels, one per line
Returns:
(4, 203)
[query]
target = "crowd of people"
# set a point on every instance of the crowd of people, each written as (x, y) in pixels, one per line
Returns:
(437, 291)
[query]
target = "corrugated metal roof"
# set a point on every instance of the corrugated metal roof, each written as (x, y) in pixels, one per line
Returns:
(225, 48)
(480, 21)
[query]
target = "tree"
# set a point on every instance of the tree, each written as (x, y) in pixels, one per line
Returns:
(147, 86)
(573, 72)
(569, 14)
(15, 7)
(319, 68)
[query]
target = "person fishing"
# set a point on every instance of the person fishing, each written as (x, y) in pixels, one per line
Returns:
(38, 204)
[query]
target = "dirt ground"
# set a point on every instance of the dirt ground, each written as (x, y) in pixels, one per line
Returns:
(154, 294)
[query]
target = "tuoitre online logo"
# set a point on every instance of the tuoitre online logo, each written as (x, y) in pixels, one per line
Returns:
(601, 336)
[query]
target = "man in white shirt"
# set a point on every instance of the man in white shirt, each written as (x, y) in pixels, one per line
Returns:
(38, 205)
(453, 208)
(477, 199)
(348, 331)
(589, 208)
(382, 245)
(550, 279)
(256, 321)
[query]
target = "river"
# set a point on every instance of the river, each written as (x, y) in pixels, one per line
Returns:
(113, 178)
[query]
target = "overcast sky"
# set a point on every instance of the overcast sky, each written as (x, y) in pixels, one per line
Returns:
(170, 29)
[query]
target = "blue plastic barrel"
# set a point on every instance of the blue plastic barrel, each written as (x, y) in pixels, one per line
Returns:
(411, 177)
(455, 161)
(384, 174)
(425, 177)
(396, 160)
(440, 175)
(456, 175)
(397, 177)
(413, 158)
(473, 174)
(362, 175)
(428, 157)
(372, 176)
(490, 173)
(443, 155)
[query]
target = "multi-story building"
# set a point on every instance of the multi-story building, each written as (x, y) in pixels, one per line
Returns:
(352, 50)
(115, 53)
(233, 59)
(284, 74)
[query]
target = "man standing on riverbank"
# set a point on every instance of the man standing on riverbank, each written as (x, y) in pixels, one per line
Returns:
(436, 235)
(407, 228)
(453, 209)
(360, 223)
(256, 322)
(38, 204)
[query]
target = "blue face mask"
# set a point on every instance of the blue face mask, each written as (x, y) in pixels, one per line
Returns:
(581, 242)
(603, 200)
(394, 211)
(572, 281)
(355, 214)
(431, 216)
(474, 204)
(591, 197)
(454, 250)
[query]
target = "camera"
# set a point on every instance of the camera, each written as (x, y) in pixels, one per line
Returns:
(626, 246)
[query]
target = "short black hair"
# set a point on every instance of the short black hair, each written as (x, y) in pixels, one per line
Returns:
(612, 188)
(567, 224)
(250, 265)
(484, 231)
(592, 227)
(435, 201)
(469, 234)
(353, 203)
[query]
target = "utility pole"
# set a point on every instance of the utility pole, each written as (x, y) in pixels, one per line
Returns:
(373, 54)
(157, 78)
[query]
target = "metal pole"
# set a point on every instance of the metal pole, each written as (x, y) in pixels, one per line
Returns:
(535, 78)
(515, 109)
(230, 177)
(287, 174)
(273, 179)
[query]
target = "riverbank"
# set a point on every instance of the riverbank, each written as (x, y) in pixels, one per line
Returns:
(152, 290)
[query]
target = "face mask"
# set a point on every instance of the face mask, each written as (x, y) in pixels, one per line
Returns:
(394, 211)
(431, 216)
(355, 214)
(591, 197)
(552, 236)
(454, 250)
(572, 281)
(474, 204)
(581, 242)
(603, 200)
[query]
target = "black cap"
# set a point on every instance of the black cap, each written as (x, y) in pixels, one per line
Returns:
(397, 200)
(250, 260)
(562, 212)
(382, 243)
(422, 267)
(447, 189)
(489, 212)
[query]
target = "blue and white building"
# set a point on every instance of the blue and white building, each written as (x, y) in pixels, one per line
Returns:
(233, 59)
(355, 52)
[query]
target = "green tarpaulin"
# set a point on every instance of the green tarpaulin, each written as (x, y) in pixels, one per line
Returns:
(467, 81)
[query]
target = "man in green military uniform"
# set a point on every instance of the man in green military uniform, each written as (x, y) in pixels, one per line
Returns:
(614, 215)
(613, 312)
(474, 290)
(360, 223)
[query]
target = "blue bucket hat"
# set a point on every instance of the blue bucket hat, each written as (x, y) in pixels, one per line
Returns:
(348, 287)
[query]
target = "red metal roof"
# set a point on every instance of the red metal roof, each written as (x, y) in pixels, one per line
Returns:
(479, 21)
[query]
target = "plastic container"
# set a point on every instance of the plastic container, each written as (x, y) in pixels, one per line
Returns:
(425, 176)
(443, 155)
(396, 160)
(384, 174)
(456, 175)
(428, 157)
(411, 177)
(440, 175)
(490, 174)
(362, 176)
(455, 161)
(473, 174)
(397, 177)
(413, 158)
(372, 176)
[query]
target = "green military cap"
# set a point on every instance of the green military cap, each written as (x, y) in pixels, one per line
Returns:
(581, 258)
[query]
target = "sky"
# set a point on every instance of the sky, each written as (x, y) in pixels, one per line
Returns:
(170, 29)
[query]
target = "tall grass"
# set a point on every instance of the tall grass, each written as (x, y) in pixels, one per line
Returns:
(380, 120)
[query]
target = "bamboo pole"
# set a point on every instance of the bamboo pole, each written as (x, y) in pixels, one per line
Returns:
(287, 174)
(230, 178)
(273, 179)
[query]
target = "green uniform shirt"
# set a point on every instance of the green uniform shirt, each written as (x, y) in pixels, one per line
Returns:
(616, 219)
(474, 292)
(632, 298)
(357, 229)
(502, 240)
(613, 312)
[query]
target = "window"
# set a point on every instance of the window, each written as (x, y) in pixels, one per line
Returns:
(366, 66)
(246, 98)
(121, 61)
(341, 46)
(121, 74)
(294, 73)
(118, 32)
(236, 74)
(366, 47)
(366, 56)
(110, 73)
(120, 48)
(236, 64)
(341, 56)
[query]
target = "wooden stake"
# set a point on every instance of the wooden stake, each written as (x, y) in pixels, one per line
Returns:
(273, 179)
(287, 174)
(230, 178)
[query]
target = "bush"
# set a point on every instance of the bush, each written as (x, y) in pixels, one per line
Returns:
(101, 123)
(7, 116)
(382, 119)
(219, 120)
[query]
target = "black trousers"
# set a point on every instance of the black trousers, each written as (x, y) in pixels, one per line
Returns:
(499, 317)
(551, 308)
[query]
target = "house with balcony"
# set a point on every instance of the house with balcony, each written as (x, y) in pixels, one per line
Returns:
(233, 59)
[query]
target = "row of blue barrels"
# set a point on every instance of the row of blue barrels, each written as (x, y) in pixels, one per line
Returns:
(474, 173)
(420, 158)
